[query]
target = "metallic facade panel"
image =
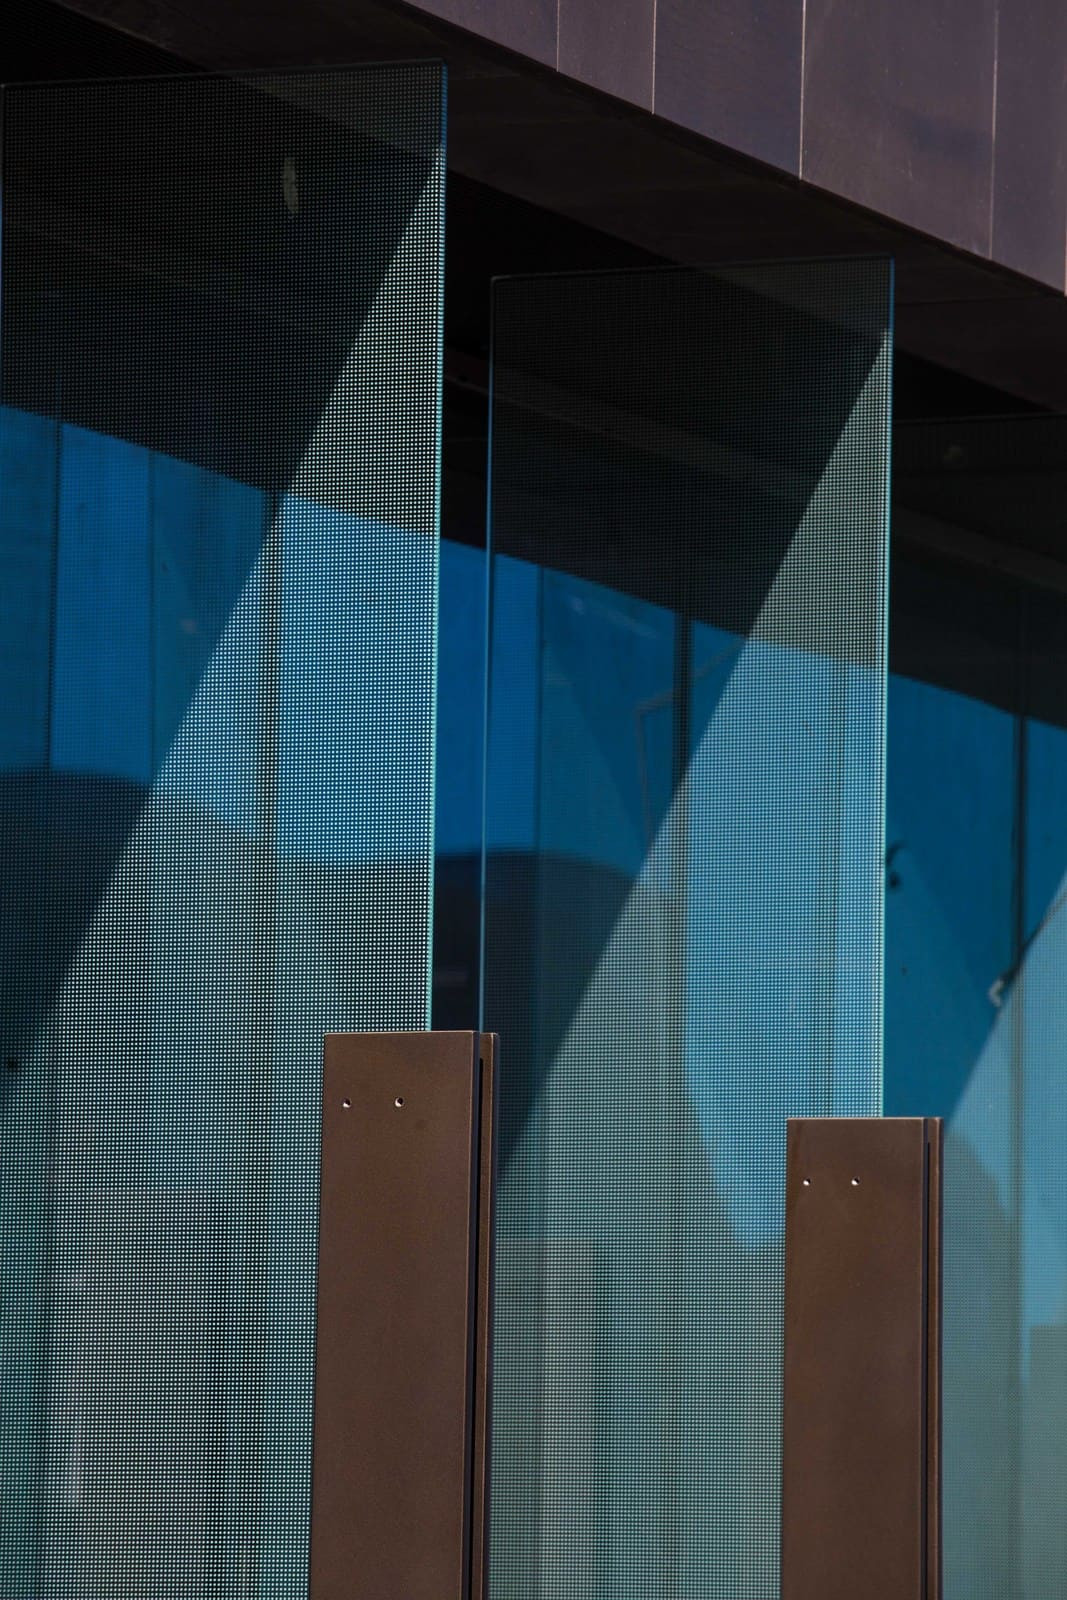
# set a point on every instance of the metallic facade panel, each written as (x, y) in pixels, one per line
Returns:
(732, 71)
(860, 1452)
(609, 46)
(1030, 160)
(898, 110)
(528, 26)
(886, 51)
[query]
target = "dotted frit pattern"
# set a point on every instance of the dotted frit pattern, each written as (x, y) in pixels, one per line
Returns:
(689, 488)
(219, 544)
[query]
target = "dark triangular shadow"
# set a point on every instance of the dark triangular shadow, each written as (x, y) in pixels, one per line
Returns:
(661, 434)
(187, 266)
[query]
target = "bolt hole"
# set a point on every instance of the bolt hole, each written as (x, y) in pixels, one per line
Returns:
(399, 1101)
(855, 1183)
(347, 1104)
(807, 1183)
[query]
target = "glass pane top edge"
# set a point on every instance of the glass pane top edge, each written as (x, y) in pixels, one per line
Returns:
(699, 268)
(193, 74)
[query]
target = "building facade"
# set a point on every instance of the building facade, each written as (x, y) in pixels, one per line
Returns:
(543, 516)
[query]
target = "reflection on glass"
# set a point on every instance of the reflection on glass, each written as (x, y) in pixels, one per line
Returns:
(1040, 992)
(976, 972)
(683, 885)
(949, 921)
(218, 551)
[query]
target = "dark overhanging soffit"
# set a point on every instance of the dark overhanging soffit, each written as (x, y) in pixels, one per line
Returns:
(523, 128)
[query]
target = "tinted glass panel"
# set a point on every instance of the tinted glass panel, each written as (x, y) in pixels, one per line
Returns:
(1041, 999)
(950, 880)
(218, 534)
(975, 962)
(683, 885)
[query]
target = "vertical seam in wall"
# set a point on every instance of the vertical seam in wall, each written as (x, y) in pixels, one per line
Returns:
(559, 8)
(655, 28)
(803, 63)
(993, 133)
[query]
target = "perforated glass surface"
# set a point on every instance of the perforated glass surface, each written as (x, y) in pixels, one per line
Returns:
(682, 938)
(218, 565)
(976, 970)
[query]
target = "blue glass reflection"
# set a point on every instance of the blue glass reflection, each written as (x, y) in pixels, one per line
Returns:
(214, 829)
(976, 1031)
(460, 702)
(949, 900)
(781, 901)
(160, 572)
(512, 800)
(28, 446)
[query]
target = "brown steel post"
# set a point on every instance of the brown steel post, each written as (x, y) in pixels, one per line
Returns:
(400, 1449)
(861, 1439)
(935, 1140)
(488, 1047)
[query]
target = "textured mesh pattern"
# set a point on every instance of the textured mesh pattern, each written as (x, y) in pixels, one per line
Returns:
(976, 935)
(218, 532)
(684, 885)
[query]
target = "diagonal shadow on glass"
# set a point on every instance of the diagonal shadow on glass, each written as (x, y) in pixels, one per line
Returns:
(975, 957)
(683, 883)
(221, 357)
